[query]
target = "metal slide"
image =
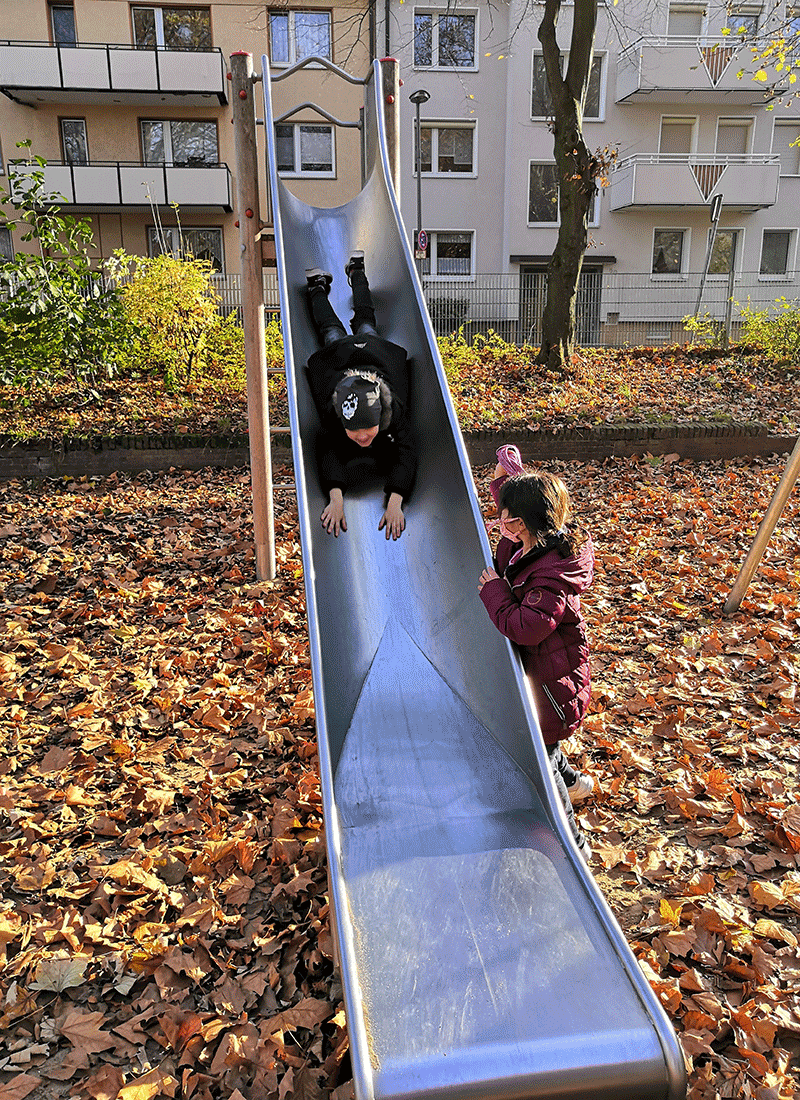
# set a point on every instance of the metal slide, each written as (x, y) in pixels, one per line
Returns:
(478, 957)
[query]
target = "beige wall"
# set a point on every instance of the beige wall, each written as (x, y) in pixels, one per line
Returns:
(113, 128)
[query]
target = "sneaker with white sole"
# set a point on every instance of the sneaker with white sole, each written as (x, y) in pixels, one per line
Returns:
(315, 276)
(355, 263)
(581, 788)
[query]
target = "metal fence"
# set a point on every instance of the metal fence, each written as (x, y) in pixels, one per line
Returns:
(613, 309)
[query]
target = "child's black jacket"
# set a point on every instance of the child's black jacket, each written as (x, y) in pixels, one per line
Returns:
(393, 453)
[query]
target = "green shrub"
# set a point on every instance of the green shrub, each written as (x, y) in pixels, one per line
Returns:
(171, 305)
(273, 341)
(224, 350)
(705, 329)
(777, 335)
(58, 318)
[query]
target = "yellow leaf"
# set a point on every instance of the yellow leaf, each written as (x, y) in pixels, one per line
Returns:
(761, 75)
(670, 913)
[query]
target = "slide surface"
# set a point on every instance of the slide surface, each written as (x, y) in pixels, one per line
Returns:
(478, 957)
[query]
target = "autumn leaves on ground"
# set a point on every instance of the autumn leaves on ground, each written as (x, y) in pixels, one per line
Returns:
(164, 930)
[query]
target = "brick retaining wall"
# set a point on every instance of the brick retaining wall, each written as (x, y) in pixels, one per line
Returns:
(133, 454)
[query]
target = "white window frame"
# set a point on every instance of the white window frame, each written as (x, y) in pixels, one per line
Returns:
(692, 9)
(672, 276)
(158, 14)
(594, 212)
(599, 55)
(292, 36)
(169, 152)
(727, 120)
(175, 234)
(745, 11)
(435, 14)
(300, 173)
(435, 125)
(793, 124)
(791, 254)
(679, 118)
(738, 259)
(433, 240)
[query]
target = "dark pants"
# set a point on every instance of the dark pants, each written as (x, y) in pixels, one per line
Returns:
(329, 327)
(565, 776)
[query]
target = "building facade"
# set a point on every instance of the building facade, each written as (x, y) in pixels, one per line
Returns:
(130, 105)
(664, 94)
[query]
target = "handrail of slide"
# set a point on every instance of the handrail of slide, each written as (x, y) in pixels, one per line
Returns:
(478, 957)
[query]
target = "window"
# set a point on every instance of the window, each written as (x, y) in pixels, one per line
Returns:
(733, 135)
(173, 28)
(668, 251)
(786, 142)
(685, 21)
(200, 244)
(305, 149)
(6, 244)
(542, 104)
(444, 40)
(62, 24)
(73, 141)
(775, 245)
(449, 254)
(543, 194)
(446, 149)
(182, 142)
(294, 35)
(677, 135)
(744, 22)
(723, 254)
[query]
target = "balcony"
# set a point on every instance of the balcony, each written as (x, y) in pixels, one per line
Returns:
(671, 70)
(117, 185)
(748, 181)
(37, 72)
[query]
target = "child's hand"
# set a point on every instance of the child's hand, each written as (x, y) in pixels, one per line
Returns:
(393, 519)
(333, 517)
(486, 576)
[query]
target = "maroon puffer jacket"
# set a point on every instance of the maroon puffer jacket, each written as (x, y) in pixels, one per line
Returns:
(536, 604)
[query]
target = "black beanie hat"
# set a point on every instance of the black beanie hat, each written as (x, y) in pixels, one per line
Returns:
(357, 401)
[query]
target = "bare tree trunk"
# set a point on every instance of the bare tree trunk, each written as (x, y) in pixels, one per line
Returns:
(577, 169)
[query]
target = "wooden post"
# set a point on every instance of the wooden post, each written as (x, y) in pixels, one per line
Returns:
(390, 75)
(764, 533)
(249, 221)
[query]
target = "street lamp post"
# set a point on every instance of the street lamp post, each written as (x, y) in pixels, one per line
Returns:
(418, 98)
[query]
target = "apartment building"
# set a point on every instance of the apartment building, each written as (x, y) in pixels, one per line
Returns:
(664, 93)
(130, 105)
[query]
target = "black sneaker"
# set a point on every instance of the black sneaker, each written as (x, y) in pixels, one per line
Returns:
(315, 276)
(355, 263)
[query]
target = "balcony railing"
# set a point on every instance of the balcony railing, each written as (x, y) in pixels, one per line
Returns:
(664, 69)
(34, 72)
(748, 181)
(123, 184)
